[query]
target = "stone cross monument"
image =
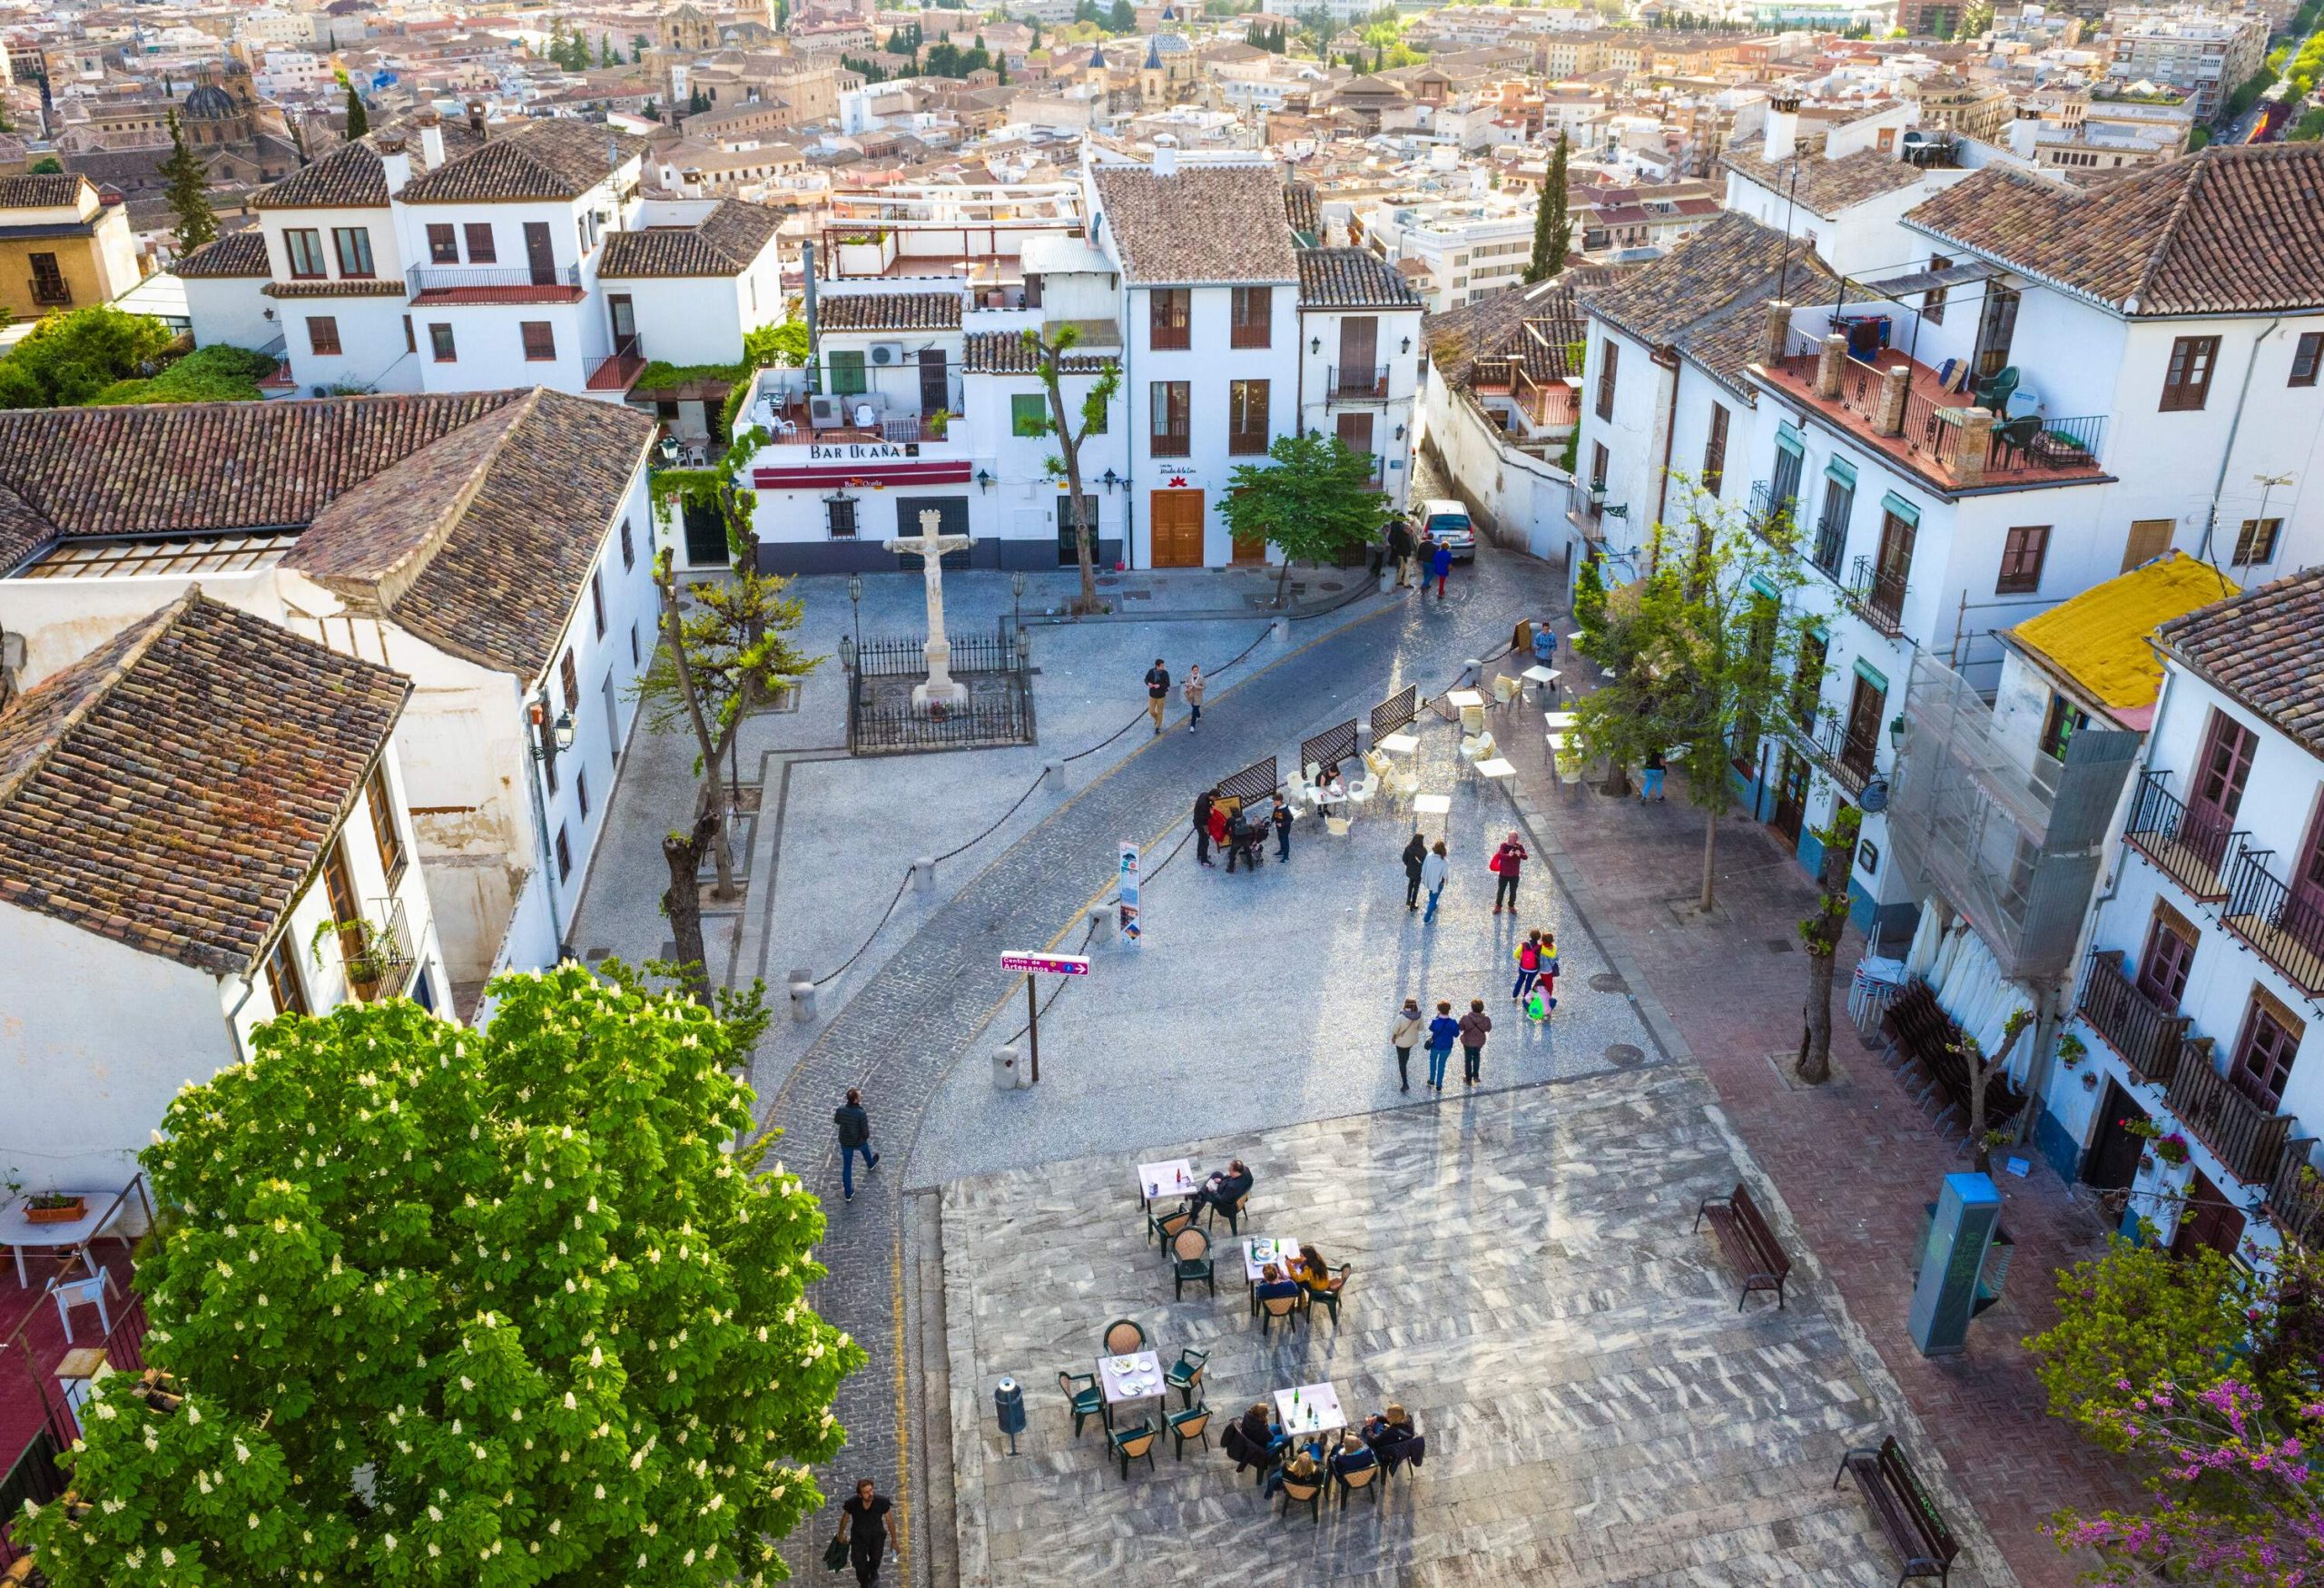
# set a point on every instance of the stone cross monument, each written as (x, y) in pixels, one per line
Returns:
(929, 545)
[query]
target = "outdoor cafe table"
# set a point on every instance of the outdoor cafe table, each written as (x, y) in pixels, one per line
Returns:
(1470, 705)
(1537, 674)
(1399, 744)
(1432, 805)
(1558, 719)
(17, 1231)
(1171, 1177)
(1316, 1411)
(1496, 767)
(1135, 1377)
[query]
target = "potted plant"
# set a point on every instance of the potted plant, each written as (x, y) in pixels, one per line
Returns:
(2072, 1050)
(938, 422)
(54, 1207)
(363, 949)
(2171, 1148)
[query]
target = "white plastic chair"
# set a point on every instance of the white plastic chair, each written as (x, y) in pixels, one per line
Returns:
(85, 1292)
(1336, 826)
(1360, 791)
(1402, 783)
(1479, 748)
(1296, 789)
(1504, 688)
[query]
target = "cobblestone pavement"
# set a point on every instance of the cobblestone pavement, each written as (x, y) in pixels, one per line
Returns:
(1854, 1159)
(921, 1012)
(1526, 1282)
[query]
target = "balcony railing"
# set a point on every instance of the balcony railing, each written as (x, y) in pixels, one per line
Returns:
(2285, 927)
(2247, 1139)
(1357, 383)
(421, 278)
(1848, 757)
(2191, 846)
(1877, 594)
(1831, 544)
(379, 963)
(50, 294)
(618, 370)
(2149, 1037)
(1767, 514)
(2296, 1198)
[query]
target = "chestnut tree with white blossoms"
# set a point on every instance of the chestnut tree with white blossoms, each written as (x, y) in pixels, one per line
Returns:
(461, 1306)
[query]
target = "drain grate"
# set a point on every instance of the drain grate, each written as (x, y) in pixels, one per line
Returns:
(1625, 1055)
(1607, 981)
(1779, 945)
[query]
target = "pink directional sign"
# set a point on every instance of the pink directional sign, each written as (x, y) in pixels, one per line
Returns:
(1048, 964)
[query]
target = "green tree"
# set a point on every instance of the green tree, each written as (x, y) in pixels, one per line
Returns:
(67, 360)
(494, 1306)
(187, 194)
(769, 345)
(1553, 227)
(47, 165)
(217, 373)
(1704, 655)
(638, 44)
(1820, 935)
(1053, 360)
(726, 650)
(358, 118)
(1312, 500)
(1036, 42)
(1122, 17)
(607, 57)
(1590, 603)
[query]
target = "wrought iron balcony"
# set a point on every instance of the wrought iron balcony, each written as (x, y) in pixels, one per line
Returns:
(378, 957)
(509, 284)
(2190, 846)
(1357, 383)
(2286, 927)
(2247, 1138)
(1878, 594)
(51, 294)
(2296, 1198)
(2149, 1037)
(1770, 520)
(1848, 757)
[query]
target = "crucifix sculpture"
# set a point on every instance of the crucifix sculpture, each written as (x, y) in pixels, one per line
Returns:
(941, 691)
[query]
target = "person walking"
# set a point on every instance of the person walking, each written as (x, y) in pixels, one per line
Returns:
(864, 1528)
(1206, 808)
(1546, 984)
(1157, 692)
(1475, 1026)
(1440, 564)
(1442, 1032)
(1192, 690)
(1652, 789)
(1282, 820)
(1506, 860)
(1415, 861)
(1432, 873)
(1405, 1033)
(1400, 547)
(1528, 966)
(854, 1135)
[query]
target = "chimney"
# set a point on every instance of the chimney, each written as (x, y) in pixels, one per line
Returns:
(431, 138)
(476, 117)
(394, 162)
(1783, 127)
(1165, 160)
(2023, 131)
(1774, 334)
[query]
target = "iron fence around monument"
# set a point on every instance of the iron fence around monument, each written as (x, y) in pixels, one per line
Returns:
(883, 720)
(972, 653)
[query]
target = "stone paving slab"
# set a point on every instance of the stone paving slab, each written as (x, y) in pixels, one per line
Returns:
(1526, 1283)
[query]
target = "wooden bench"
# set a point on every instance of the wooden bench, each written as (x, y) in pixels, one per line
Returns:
(1903, 1508)
(1751, 1249)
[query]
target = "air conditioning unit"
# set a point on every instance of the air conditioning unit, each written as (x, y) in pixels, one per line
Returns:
(826, 413)
(887, 355)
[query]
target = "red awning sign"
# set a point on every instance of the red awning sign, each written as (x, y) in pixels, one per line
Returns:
(851, 473)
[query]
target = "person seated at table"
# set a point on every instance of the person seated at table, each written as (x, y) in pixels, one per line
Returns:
(1382, 1431)
(1314, 1275)
(1352, 1455)
(1258, 1429)
(1274, 1285)
(1223, 1189)
(1333, 785)
(1302, 1468)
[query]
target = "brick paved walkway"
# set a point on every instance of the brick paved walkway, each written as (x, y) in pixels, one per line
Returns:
(1855, 1160)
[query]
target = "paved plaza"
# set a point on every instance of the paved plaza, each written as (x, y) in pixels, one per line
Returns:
(1526, 1284)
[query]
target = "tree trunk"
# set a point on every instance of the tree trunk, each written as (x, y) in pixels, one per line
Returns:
(717, 804)
(682, 903)
(1069, 446)
(1710, 860)
(1282, 576)
(1980, 1159)
(1814, 1064)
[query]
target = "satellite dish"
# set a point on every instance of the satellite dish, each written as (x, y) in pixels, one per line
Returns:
(1875, 798)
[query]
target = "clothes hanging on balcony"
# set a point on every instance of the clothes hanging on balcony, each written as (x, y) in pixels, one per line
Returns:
(1971, 989)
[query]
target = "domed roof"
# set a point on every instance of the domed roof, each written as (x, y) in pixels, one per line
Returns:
(209, 102)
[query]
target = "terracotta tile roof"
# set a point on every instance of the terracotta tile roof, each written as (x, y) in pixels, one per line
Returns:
(1301, 210)
(2266, 649)
(2231, 228)
(1486, 330)
(1351, 278)
(1827, 187)
(1731, 260)
(724, 243)
(483, 542)
(380, 287)
(889, 311)
(1207, 224)
(1005, 352)
(558, 159)
(350, 177)
(47, 191)
(174, 789)
(236, 254)
(206, 466)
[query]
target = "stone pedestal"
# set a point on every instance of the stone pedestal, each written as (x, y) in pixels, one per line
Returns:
(941, 691)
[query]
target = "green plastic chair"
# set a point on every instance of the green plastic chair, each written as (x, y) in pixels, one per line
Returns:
(1193, 1423)
(1082, 1397)
(1190, 1260)
(1330, 1299)
(1994, 391)
(1311, 1495)
(1134, 1442)
(1184, 1375)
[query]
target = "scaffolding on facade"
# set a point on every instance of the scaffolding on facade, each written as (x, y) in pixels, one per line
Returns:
(2011, 837)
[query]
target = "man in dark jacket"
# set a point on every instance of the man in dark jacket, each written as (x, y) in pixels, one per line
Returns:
(1399, 547)
(1507, 860)
(1225, 1188)
(1415, 857)
(1282, 820)
(854, 1135)
(1203, 802)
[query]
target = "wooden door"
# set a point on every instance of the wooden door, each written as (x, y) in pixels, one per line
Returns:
(624, 315)
(1174, 522)
(2218, 793)
(2208, 1221)
(2169, 952)
(539, 257)
(1355, 435)
(934, 388)
(1996, 327)
(1862, 745)
(2113, 1159)
(1359, 356)
(1791, 796)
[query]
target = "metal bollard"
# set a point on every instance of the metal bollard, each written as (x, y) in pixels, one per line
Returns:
(802, 995)
(1363, 736)
(1006, 1075)
(923, 874)
(1008, 1405)
(1053, 774)
(1101, 924)
(1472, 672)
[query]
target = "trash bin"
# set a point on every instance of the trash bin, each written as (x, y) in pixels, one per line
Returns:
(1008, 1405)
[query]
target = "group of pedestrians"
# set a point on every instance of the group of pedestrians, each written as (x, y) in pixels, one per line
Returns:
(1157, 694)
(1418, 558)
(1428, 866)
(1470, 1030)
(1229, 827)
